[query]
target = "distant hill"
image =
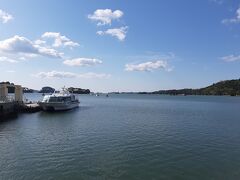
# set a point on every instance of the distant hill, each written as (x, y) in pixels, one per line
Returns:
(228, 87)
(47, 89)
(71, 89)
(28, 90)
(78, 90)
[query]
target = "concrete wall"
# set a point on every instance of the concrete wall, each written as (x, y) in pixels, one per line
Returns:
(7, 109)
(18, 93)
(4, 92)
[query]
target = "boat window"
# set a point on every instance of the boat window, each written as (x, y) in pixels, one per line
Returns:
(53, 99)
(67, 98)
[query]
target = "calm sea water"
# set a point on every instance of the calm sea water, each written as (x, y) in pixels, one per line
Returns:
(126, 137)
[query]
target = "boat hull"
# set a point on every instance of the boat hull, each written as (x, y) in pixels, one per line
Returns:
(46, 106)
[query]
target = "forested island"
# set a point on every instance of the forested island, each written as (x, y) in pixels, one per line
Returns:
(228, 87)
(47, 89)
(70, 89)
(79, 90)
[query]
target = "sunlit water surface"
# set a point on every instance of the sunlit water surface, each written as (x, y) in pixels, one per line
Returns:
(126, 137)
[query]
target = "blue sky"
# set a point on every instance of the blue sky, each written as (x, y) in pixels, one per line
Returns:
(119, 45)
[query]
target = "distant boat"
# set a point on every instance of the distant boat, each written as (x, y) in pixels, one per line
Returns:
(60, 101)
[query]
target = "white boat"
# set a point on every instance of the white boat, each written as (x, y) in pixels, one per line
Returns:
(59, 101)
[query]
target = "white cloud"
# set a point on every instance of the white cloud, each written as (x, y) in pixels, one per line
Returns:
(22, 58)
(55, 74)
(119, 33)
(26, 57)
(169, 56)
(233, 20)
(59, 40)
(10, 71)
(148, 66)
(100, 33)
(44, 51)
(231, 58)
(5, 17)
(30, 55)
(105, 16)
(39, 42)
(17, 44)
(62, 74)
(6, 59)
(22, 45)
(82, 62)
(92, 75)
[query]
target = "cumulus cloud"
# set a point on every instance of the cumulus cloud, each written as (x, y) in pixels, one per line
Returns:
(148, 66)
(92, 75)
(22, 45)
(6, 59)
(105, 16)
(59, 40)
(119, 33)
(231, 58)
(5, 17)
(44, 51)
(82, 62)
(62, 74)
(39, 42)
(233, 20)
(55, 74)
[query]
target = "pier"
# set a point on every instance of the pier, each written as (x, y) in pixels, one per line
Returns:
(12, 105)
(31, 108)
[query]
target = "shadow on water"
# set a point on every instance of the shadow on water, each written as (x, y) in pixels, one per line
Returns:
(64, 112)
(9, 117)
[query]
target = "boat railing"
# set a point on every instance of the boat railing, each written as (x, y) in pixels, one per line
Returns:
(63, 91)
